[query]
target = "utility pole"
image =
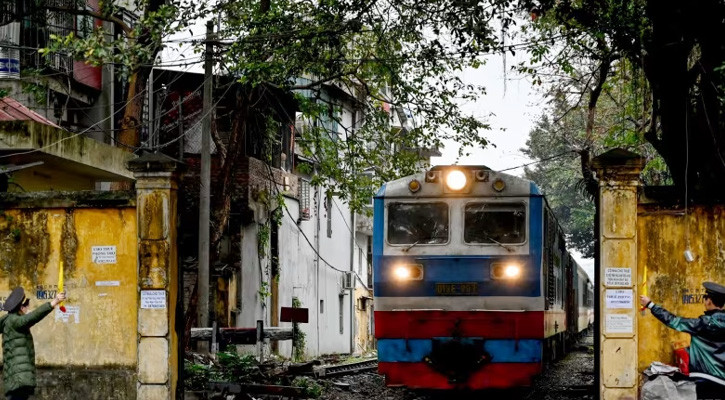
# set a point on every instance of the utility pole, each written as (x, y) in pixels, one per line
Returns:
(205, 189)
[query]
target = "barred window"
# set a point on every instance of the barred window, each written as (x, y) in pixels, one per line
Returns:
(304, 188)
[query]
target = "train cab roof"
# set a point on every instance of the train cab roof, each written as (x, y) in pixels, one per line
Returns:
(459, 181)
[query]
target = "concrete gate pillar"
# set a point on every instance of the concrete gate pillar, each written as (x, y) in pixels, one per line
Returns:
(618, 174)
(158, 355)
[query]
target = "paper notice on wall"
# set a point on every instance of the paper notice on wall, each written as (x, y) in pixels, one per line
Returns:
(153, 299)
(617, 277)
(108, 283)
(73, 312)
(103, 254)
(619, 298)
(618, 323)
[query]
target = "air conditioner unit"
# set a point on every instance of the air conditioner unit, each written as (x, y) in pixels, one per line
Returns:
(348, 280)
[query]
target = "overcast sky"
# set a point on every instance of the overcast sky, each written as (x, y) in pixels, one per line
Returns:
(515, 108)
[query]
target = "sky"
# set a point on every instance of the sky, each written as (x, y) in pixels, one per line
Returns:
(511, 105)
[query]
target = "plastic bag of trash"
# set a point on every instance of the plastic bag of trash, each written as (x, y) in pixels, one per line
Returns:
(658, 368)
(664, 388)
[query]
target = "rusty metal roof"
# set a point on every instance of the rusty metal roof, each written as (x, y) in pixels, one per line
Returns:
(12, 110)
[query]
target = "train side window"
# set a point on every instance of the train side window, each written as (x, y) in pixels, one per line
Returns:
(418, 223)
(494, 223)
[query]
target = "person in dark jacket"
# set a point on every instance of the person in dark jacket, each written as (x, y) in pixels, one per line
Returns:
(707, 343)
(18, 347)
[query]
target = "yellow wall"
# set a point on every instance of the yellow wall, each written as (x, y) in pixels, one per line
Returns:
(671, 280)
(363, 337)
(41, 178)
(32, 241)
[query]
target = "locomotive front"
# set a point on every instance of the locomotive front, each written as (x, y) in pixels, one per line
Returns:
(457, 255)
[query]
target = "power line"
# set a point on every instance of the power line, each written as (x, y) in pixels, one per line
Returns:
(284, 205)
(539, 161)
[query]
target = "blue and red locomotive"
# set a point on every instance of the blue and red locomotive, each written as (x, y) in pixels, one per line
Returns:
(474, 287)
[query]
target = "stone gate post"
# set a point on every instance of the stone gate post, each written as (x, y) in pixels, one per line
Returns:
(618, 174)
(158, 356)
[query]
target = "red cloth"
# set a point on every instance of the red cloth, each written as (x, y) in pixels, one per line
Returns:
(682, 360)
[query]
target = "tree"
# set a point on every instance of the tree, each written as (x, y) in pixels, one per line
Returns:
(672, 46)
(380, 53)
(565, 129)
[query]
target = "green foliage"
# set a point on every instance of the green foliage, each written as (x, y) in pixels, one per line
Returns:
(311, 388)
(299, 344)
(196, 376)
(344, 54)
(263, 237)
(4, 93)
(229, 367)
(676, 84)
(562, 128)
(235, 367)
(263, 291)
(138, 44)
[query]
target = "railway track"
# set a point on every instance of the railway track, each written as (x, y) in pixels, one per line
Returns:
(347, 369)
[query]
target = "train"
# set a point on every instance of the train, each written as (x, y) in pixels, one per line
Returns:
(473, 285)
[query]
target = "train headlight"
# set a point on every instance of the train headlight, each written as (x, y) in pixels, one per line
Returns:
(408, 272)
(508, 271)
(512, 271)
(456, 180)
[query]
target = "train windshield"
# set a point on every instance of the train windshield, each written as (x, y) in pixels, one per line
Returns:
(418, 223)
(502, 223)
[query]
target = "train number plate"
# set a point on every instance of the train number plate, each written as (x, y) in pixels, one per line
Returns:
(457, 289)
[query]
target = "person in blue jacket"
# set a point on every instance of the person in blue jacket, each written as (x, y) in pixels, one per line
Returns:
(707, 344)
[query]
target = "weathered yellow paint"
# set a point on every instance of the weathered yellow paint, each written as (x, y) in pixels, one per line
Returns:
(33, 241)
(158, 356)
(48, 178)
(671, 280)
(364, 337)
(618, 173)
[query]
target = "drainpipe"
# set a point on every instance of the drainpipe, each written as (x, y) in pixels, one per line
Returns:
(354, 282)
(353, 230)
(317, 261)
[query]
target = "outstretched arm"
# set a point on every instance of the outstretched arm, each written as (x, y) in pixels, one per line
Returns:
(687, 325)
(35, 316)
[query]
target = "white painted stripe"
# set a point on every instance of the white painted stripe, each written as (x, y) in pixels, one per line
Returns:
(708, 377)
(462, 303)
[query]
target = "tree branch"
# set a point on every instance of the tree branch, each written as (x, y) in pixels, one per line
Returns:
(89, 13)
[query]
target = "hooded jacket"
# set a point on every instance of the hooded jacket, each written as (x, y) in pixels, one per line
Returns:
(707, 344)
(18, 348)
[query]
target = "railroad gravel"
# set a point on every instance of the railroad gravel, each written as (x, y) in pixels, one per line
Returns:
(570, 378)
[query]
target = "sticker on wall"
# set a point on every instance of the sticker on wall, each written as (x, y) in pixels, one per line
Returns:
(70, 311)
(153, 299)
(108, 283)
(103, 254)
(620, 298)
(617, 277)
(618, 323)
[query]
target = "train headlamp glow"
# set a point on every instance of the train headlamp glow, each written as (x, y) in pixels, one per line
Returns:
(512, 271)
(456, 180)
(508, 271)
(414, 185)
(408, 272)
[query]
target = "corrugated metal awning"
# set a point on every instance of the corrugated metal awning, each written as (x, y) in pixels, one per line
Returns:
(12, 110)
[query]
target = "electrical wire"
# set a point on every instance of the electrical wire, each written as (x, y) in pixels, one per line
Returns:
(539, 161)
(309, 242)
